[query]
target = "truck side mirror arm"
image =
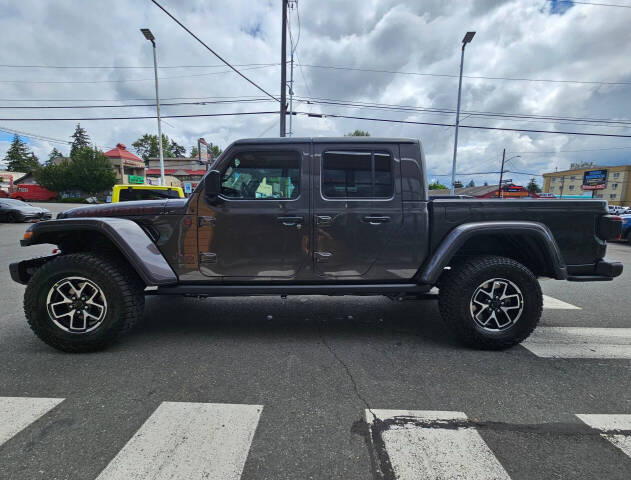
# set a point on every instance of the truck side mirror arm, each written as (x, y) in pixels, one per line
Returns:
(212, 187)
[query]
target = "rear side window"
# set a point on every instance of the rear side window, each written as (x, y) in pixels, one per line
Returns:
(357, 174)
(129, 194)
(262, 176)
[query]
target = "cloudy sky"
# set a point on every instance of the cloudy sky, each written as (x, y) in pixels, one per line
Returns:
(392, 52)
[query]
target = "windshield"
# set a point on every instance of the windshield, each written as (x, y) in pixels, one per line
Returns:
(14, 203)
(146, 194)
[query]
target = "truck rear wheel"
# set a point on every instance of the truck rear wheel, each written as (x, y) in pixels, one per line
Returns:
(490, 302)
(83, 302)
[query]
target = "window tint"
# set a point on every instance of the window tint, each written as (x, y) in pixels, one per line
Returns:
(129, 194)
(348, 174)
(262, 175)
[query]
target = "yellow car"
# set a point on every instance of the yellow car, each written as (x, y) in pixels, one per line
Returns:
(125, 193)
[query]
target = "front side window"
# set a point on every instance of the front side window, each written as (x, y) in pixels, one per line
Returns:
(262, 176)
(357, 174)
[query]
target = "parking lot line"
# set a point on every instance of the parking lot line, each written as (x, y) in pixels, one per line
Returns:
(17, 413)
(188, 440)
(612, 426)
(580, 342)
(431, 445)
(552, 303)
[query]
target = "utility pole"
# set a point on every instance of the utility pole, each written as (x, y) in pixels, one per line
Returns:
(283, 71)
(501, 193)
(467, 38)
(291, 91)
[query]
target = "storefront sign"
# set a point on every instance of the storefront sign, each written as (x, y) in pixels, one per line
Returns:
(594, 180)
(135, 179)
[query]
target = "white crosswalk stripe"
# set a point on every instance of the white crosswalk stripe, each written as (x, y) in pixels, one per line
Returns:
(188, 440)
(17, 413)
(611, 426)
(552, 303)
(580, 342)
(432, 445)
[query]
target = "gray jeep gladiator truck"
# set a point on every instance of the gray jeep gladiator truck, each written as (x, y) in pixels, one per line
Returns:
(322, 216)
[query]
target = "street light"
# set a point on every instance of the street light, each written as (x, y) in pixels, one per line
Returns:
(467, 39)
(501, 192)
(149, 36)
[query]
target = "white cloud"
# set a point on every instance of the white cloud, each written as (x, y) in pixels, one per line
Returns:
(518, 38)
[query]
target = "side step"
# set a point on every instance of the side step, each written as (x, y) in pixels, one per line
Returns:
(390, 289)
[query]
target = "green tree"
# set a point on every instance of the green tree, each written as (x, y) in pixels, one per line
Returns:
(194, 152)
(147, 147)
(54, 153)
(80, 139)
(91, 171)
(215, 151)
(177, 150)
(57, 178)
(358, 133)
(471, 183)
(19, 158)
(532, 186)
(435, 185)
(486, 184)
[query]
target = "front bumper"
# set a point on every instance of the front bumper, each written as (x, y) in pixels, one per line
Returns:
(601, 271)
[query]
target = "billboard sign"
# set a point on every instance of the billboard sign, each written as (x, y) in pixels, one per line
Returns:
(188, 188)
(594, 180)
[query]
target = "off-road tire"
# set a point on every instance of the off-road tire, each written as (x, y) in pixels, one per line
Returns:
(458, 286)
(121, 286)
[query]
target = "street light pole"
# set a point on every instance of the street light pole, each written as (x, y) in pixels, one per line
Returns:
(467, 38)
(283, 71)
(149, 36)
(501, 192)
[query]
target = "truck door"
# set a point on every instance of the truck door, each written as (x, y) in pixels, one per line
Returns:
(259, 227)
(357, 209)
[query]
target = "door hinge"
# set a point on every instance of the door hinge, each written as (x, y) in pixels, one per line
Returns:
(322, 257)
(204, 221)
(207, 257)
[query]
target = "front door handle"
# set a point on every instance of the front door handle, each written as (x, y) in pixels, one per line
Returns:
(376, 219)
(290, 221)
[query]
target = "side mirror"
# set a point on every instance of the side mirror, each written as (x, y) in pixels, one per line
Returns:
(212, 187)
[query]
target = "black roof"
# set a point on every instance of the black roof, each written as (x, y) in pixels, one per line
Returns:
(349, 139)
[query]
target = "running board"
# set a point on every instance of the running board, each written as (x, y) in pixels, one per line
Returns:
(391, 289)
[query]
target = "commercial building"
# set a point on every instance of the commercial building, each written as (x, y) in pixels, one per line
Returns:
(128, 167)
(183, 169)
(609, 183)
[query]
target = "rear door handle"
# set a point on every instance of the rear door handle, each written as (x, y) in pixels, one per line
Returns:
(376, 219)
(290, 221)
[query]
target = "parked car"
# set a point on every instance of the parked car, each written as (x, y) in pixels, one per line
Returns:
(12, 211)
(31, 192)
(626, 227)
(3, 194)
(126, 193)
(321, 216)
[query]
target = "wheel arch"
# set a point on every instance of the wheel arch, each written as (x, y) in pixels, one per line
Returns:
(530, 243)
(116, 235)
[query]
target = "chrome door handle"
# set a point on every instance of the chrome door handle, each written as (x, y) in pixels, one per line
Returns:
(290, 221)
(376, 219)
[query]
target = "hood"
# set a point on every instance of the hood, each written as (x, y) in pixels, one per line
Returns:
(121, 209)
(30, 209)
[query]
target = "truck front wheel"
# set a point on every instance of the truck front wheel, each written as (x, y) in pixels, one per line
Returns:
(83, 302)
(490, 302)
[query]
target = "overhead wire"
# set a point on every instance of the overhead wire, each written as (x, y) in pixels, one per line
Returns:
(213, 52)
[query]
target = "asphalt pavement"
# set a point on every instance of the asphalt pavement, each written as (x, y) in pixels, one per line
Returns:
(318, 388)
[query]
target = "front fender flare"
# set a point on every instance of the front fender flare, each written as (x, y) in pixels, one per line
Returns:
(127, 236)
(457, 237)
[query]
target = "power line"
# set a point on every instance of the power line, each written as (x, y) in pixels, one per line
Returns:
(72, 107)
(480, 77)
(125, 80)
(35, 136)
(141, 117)
(591, 3)
(572, 151)
(212, 51)
(480, 127)
(120, 99)
(134, 67)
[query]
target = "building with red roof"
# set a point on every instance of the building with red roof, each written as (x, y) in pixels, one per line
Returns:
(129, 168)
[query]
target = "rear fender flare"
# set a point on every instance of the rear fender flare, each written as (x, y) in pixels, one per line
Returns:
(127, 236)
(455, 239)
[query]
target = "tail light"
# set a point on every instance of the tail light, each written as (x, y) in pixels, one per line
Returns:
(609, 227)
